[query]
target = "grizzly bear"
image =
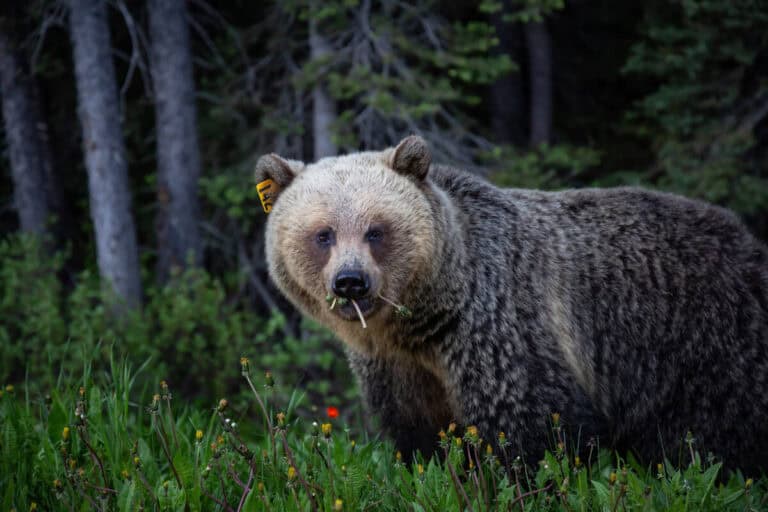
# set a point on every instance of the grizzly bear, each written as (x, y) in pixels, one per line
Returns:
(637, 316)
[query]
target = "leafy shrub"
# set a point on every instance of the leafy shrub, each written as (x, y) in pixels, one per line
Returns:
(190, 331)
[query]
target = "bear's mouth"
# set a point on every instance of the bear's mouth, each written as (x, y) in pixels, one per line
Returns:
(347, 310)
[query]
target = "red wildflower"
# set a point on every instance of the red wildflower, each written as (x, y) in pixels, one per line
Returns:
(332, 412)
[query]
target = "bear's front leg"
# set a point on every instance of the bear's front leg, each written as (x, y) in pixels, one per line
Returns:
(409, 400)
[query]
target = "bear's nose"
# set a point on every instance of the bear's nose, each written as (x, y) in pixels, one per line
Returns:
(350, 284)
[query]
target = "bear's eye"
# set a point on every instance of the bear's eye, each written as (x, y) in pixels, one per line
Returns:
(374, 235)
(324, 238)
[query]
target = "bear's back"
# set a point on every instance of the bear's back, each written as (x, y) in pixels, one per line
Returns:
(658, 303)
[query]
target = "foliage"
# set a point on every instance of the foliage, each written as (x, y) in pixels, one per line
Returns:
(700, 117)
(544, 167)
(96, 443)
(189, 331)
(30, 306)
(397, 68)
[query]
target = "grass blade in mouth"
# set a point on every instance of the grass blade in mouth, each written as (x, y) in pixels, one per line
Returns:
(399, 308)
(359, 314)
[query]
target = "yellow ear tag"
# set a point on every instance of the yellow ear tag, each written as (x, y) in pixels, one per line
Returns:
(267, 191)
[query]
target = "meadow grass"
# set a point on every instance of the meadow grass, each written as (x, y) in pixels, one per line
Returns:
(99, 443)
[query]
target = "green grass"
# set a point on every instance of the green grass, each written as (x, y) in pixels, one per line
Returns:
(98, 443)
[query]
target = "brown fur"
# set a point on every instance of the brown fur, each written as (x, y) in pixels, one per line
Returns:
(636, 315)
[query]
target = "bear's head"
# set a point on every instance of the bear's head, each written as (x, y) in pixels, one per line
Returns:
(351, 231)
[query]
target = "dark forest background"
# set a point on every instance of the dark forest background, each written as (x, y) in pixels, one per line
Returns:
(128, 215)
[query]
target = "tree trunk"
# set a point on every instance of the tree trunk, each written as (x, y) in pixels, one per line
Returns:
(507, 94)
(104, 149)
(25, 142)
(540, 65)
(178, 154)
(324, 107)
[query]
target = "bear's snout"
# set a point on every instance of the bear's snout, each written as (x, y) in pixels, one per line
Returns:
(351, 284)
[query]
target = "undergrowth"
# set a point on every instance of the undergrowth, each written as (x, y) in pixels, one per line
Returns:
(99, 443)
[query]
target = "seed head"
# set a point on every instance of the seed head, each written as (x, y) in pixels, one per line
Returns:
(223, 403)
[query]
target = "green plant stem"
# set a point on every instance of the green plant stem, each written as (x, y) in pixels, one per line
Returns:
(93, 453)
(299, 476)
(246, 490)
(267, 419)
(483, 484)
(161, 435)
(173, 423)
(146, 485)
(457, 484)
(528, 494)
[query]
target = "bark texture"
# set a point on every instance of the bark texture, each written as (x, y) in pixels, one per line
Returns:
(178, 153)
(539, 45)
(104, 149)
(26, 139)
(324, 106)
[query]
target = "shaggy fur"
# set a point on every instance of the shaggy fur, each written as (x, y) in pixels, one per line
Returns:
(636, 315)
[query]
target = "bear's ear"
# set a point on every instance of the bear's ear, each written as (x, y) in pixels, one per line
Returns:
(411, 158)
(278, 169)
(273, 173)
